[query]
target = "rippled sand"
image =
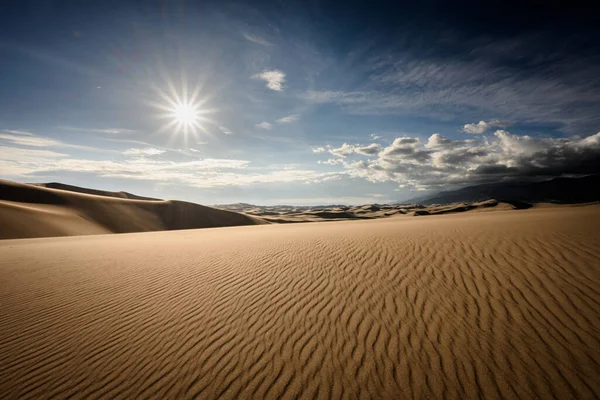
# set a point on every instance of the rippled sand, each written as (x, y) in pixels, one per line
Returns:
(500, 304)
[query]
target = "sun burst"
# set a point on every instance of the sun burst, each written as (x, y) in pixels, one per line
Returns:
(185, 115)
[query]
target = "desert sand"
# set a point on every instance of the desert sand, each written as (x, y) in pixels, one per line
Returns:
(296, 214)
(28, 211)
(470, 305)
(56, 209)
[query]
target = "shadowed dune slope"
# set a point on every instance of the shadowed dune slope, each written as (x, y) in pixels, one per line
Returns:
(33, 211)
(470, 305)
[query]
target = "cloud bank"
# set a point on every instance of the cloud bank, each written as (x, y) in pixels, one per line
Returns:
(441, 162)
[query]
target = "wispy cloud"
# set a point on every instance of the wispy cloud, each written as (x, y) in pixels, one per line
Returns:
(256, 39)
(16, 154)
(25, 138)
(148, 151)
(205, 173)
(225, 130)
(274, 79)
(288, 120)
(560, 91)
(17, 132)
(106, 131)
(264, 125)
(20, 162)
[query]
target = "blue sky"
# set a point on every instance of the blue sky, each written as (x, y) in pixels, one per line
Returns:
(297, 102)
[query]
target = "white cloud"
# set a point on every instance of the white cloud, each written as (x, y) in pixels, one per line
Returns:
(347, 149)
(289, 119)
(375, 136)
(442, 162)
(264, 125)
(343, 151)
(274, 79)
(482, 126)
(437, 141)
(256, 39)
(332, 161)
(148, 151)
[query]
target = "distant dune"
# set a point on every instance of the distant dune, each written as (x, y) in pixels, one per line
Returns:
(28, 211)
(466, 305)
(293, 214)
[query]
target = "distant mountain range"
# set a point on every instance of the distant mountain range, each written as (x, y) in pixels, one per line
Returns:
(557, 190)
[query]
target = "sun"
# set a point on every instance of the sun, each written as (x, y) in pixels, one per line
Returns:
(184, 110)
(186, 114)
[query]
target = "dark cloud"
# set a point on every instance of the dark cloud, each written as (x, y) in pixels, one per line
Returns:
(369, 150)
(406, 148)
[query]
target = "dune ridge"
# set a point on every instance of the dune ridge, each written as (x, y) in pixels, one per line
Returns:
(28, 211)
(78, 189)
(469, 305)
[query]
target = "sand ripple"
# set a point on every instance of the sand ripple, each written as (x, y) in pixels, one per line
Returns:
(492, 305)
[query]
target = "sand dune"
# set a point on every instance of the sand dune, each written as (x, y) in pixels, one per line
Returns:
(289, 214)
(34, 211)
(71, 188)
(469, 305)
(56, 209)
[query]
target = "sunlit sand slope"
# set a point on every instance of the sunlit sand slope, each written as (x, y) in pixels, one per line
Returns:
(483, 305)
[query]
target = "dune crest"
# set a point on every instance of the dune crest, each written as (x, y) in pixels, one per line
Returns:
(78, 189)
(469, 305)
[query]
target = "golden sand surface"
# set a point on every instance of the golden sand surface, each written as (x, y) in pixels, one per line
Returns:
(470, 305)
